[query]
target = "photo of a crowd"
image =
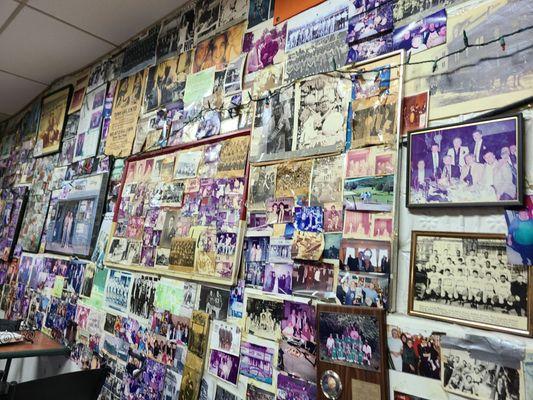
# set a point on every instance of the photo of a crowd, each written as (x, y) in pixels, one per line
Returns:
(466, 164)
(414, 353)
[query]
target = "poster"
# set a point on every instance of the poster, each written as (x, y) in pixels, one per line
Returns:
(89, 124)
(52, 122)
(126, 108)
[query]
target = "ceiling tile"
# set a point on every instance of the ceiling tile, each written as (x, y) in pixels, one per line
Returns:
(16, 92)
(41, 48)
(6, 8)
(115, 20)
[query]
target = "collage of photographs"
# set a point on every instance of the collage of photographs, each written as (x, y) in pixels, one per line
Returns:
(235, 205)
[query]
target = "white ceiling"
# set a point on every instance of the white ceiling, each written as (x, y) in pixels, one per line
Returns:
(42, 40)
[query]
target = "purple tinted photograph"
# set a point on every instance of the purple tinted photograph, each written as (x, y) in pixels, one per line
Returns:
(421, 35)
(226, 243)
(299, 321)
(153, 379)
(291, 388)
(370, 23)
(309, 219)
(224, 366)
(369, 49)
(278, 278)
(256, 362)
(478, 163)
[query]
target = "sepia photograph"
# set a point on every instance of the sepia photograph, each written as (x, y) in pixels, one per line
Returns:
(307, 245)
(322, 104)
(326, 180)
(263, 317)
(466, 278)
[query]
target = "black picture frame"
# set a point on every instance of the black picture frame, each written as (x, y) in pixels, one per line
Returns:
(430, 181)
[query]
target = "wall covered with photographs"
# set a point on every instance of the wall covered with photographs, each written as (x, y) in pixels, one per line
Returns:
(262, 200)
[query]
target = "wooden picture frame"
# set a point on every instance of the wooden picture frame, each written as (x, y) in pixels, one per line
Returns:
(54, 107)
(352, 377)
(465, 298)
(447, 167)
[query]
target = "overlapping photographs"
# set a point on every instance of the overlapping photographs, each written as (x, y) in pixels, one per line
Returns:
(479, 163)
(474, 284)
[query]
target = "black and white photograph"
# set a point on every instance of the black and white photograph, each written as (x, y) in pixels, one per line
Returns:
(207, 16)
(117, 290)
(313, 24)
(478, 378)
(223, 394)
(323, 55)
(273, 126)
(214, 301)
(263, 317)
(143, 296)
(280, 250)
(326, 183)
(323, 106)
(234, 74)
(254, 274)
(262, 183)
(466, 278)
(225, 337)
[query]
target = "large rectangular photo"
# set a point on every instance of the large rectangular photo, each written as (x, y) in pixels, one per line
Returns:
(473, 164)
(466, 278)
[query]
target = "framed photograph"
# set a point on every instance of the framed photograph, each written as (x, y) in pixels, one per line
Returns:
(471, 164)
(52, 122)
(466, 278)
(75, 216)
(351, 343)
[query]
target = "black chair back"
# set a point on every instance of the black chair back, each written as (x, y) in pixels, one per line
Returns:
(9, 325)
(82, 385)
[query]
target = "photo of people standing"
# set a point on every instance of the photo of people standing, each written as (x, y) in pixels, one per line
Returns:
(416, 354)
(350, 339)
